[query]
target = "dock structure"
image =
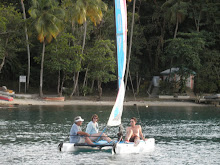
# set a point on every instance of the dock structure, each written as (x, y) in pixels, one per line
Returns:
(215, 102)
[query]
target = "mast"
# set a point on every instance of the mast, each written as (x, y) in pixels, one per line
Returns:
(116, 45)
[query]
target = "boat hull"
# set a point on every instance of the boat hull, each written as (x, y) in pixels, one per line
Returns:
(54, 98)
(71, 147)
(126, 148)
(216, 96)
(6, 98)
(7, 93)
(117, 148)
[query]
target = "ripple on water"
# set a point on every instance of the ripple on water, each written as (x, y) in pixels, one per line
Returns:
(187, 137)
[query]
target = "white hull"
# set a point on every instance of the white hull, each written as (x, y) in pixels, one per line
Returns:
(7, 93)
(143, 146)
(118, 148)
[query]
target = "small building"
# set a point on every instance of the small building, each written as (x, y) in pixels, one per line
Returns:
(174, 72)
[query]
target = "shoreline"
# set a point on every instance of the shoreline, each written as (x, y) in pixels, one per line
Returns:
(38, 101)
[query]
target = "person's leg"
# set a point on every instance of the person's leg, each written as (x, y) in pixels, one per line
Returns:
(88, 141)
(105, 137)
(136, 140)
(129, 133)
(94, 137)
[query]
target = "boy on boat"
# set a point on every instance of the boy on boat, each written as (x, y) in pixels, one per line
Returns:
(134, 132)
(76, 133)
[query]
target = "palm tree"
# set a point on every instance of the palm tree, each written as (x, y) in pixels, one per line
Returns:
(48, 18)
(27, 42)
(81, 10)
(175, 12)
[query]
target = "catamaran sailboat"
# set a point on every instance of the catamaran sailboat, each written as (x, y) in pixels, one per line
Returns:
(119, 147)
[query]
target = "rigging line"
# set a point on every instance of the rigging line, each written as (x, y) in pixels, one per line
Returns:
(135, 112)
(138, 114)
(101, 134)
(132, 85)
(94, 136)
(91, 136)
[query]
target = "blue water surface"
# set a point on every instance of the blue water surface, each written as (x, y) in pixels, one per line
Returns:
(184, 135)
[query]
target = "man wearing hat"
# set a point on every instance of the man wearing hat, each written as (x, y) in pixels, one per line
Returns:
(76, 133)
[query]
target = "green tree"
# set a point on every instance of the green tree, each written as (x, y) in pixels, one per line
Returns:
(185, 51)
(203, 13)
(63, 58)
(155, 32)
(48, 17)
(101, 63)
(83, 9)
(10, 24)
(175, 12)
(208, 77)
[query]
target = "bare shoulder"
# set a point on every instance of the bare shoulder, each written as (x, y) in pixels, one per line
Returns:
(138, 126)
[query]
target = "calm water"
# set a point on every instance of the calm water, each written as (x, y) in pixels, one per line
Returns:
(184, 135)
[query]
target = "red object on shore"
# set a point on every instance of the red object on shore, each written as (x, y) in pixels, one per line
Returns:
(54, 98)
(6, 98)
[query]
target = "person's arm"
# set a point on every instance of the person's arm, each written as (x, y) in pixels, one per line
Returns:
(141, 134)
(97, 127)
(82, 133)
(89, 128)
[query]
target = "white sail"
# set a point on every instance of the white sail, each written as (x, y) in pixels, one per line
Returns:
(121, 38)
(115, 116)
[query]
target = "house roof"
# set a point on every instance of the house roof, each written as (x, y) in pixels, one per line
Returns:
(173, 70)
(166, 72)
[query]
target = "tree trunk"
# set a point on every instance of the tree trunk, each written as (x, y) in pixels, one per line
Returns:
(171, 61)
(61, 88)
(138, 83)
(5, 54)
(129, 53)
(85, 78)
(2, 64)
(84, 36)
(83, 46)
(132, 86)
(100, 89)
(92, 86)
(73, 28)
(41, 70)
(58, 83)
(176, 29)
(198, 22)
(27, 43)
(76, 77)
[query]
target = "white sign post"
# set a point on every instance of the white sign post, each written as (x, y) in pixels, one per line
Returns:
(22, 79)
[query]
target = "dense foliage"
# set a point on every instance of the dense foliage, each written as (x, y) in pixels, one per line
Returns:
(72, 44)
